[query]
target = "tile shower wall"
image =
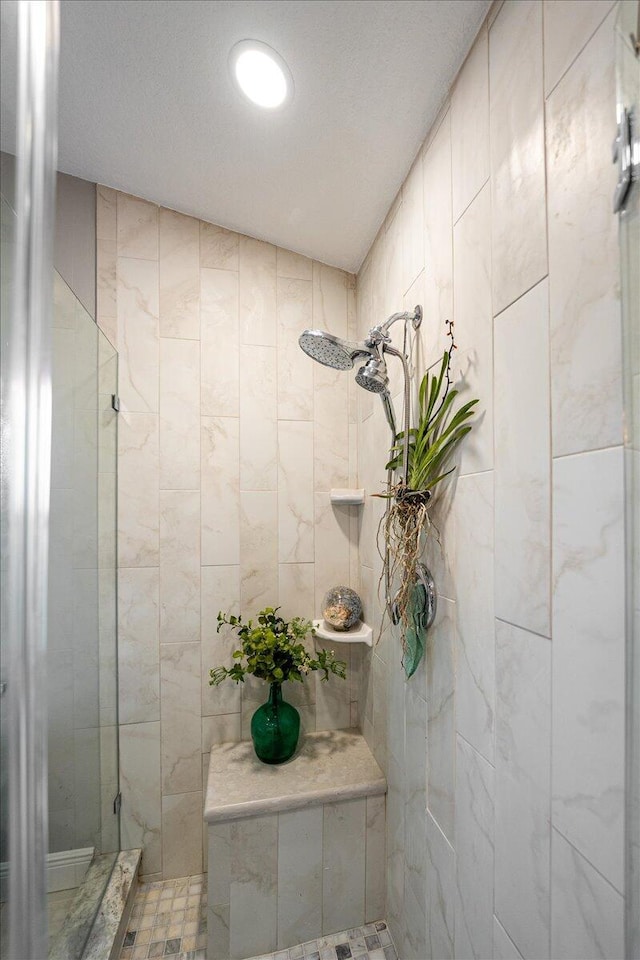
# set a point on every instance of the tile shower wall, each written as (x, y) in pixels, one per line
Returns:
(504, 753)
(229, 442)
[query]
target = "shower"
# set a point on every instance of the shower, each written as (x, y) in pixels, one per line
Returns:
(340, 354)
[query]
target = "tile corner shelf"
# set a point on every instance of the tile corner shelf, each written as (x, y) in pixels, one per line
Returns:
(347, 497)
(361, 633)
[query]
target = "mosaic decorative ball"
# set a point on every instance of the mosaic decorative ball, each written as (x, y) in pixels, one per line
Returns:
(341, 608)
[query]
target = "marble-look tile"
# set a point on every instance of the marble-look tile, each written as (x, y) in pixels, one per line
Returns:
(330, 299)
(296, 590)
(179, 414)
(516, 108)
(86, 763)
(343, 865)
(415, 811)
(441, 734)
(295, 368)
(258, 551)
(137, 228)
(438, 225)
(60, 601)
(85, 489)
(141, 795)
(503, 946)
(523, 787)
(395, 872)
(219, 857)
(588, 657)
(86, 706)
(218, 931)
(179, 275)
(218, 247)
(138, 650)
(179, 565)
(474, 854)
(258, 418)
(293, 265)
(219, 343)
(332, 696)
(470, 126)
(138, 498)
(295, 492)
(182, 835)
(106, 206)
(393, 266)
(254, 878)
(568, 26)
(475, 682)
(299, 876)
(220, 480)
(416, 930)
(441, 882)
(257, 292)
(587, 913)
(331, 546)
(181, 725)
(106, 288)
(583, 254)
(225, 728)
(412, 226)
(523, 463)
(331, 428)
(474, 328)
(138, 334)
(375, 859)
(220, 592)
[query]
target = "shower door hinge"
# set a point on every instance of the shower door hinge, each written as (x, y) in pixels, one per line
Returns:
(623, 156)
(115, 402)
(117, 803)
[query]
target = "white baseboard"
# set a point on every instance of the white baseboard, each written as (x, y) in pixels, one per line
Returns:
(65, 870)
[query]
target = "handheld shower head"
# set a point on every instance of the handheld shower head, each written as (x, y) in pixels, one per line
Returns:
(373, 375)
(330, 350)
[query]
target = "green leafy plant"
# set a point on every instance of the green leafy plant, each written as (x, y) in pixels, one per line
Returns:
(273, 650)
(440, 429)
(433, 442)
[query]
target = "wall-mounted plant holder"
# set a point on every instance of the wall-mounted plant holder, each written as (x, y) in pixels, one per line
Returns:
(423, 578)
(360, 633)
(347, 497)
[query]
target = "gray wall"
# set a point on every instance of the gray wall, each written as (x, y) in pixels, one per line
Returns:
(74, 252)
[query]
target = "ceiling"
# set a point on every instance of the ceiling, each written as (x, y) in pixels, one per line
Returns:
(147, 106)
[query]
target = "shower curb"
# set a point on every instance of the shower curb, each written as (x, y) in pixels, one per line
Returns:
(97, 934)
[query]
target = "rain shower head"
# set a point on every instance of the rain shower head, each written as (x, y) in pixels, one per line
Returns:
(330, 350)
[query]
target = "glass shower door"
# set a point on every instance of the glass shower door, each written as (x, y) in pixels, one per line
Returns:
(84, 836)
(628, 110)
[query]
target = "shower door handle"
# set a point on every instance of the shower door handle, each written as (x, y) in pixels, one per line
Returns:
(622, 156)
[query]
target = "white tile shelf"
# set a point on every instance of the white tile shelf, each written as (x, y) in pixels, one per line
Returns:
(360, 633)
(347, 497)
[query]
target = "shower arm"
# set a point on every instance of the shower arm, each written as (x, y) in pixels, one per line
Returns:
(380, 334)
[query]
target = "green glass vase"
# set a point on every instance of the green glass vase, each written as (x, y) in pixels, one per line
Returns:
(275, 728)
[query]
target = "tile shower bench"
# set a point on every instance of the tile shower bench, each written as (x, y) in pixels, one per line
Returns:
(296, 851)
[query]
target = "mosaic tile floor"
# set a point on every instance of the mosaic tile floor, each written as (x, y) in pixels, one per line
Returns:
(169, 920)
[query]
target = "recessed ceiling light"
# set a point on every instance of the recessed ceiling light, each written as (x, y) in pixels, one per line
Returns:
(260, 74)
